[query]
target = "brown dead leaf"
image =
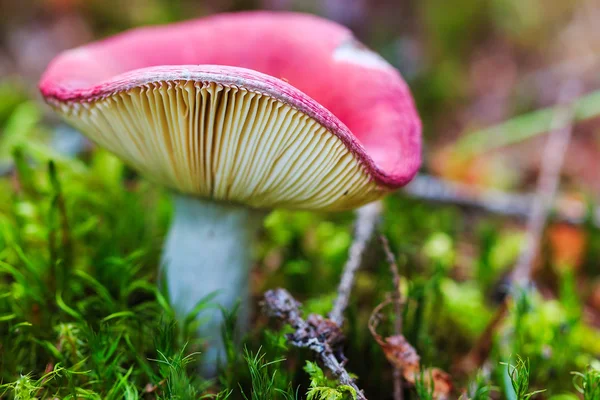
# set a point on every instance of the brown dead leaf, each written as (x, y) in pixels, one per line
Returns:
(402, 355)
(442, 383)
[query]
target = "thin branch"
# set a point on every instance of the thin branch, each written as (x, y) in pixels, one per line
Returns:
(322, 336)
(515, 205)
(366, 222)
(398, 391)
(547, 185)
(552, 161)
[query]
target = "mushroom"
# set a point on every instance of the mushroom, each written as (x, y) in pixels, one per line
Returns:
(236, 114)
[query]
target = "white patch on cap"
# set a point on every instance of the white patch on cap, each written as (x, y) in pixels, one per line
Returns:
(79, 53)
(353, 51)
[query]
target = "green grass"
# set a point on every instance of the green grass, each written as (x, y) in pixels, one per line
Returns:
(526, 126)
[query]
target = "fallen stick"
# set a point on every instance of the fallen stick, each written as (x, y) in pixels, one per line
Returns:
(547, 186)
(515, 205)
(321, 335)
(366, 222)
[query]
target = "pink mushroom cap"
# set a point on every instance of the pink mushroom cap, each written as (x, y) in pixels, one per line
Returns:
(312, 70)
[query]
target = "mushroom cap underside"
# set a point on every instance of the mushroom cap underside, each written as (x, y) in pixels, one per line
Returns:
(335, 139)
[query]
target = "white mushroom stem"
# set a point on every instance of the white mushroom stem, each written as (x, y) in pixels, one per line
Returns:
(209, 249)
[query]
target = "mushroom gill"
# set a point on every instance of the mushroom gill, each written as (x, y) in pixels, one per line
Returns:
(226, 143)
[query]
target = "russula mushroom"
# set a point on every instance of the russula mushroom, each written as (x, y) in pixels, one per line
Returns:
(238, 113)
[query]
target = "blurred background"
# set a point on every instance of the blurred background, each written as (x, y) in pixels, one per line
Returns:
(486, 76)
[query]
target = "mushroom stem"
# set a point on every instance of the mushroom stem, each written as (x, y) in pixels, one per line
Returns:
(209, 250)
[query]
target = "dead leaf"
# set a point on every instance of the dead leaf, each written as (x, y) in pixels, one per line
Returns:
(442, 383)
(402, 355)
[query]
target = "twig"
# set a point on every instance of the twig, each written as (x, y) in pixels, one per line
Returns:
(547, 185)
(366, 221)
(398, 391)
(323, 336)
(515, 205)
(552, 161)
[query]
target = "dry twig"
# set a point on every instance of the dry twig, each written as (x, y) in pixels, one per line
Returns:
(398, 395)
(319, 334)
(547, 185)
(366, 222)
(516, 205)
(323, 336)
